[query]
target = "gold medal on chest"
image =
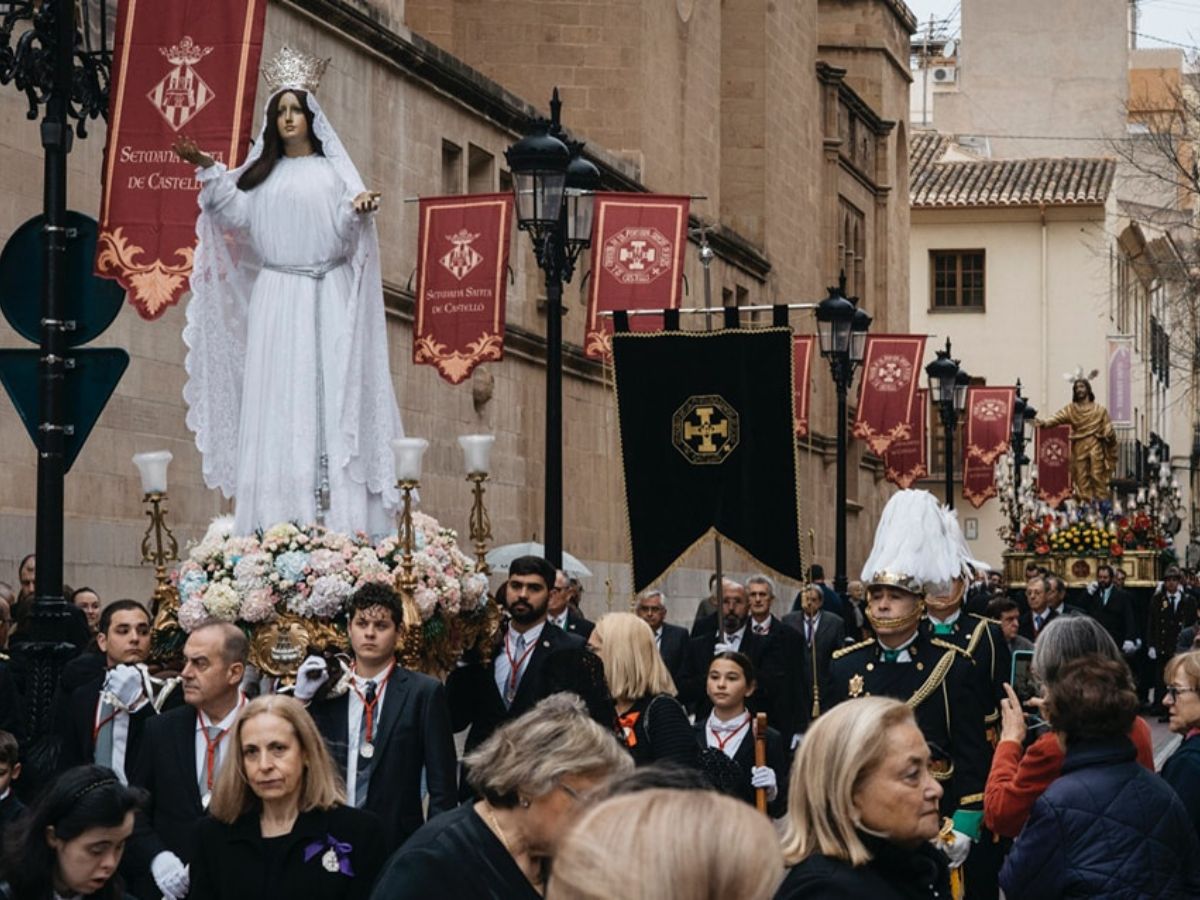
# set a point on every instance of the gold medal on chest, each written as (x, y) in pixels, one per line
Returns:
(856, 686)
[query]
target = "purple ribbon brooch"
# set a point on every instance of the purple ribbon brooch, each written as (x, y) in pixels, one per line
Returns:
(336, 857)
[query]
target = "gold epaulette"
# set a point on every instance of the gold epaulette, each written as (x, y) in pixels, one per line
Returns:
(934, 681)
(838, 654)
(946, 645)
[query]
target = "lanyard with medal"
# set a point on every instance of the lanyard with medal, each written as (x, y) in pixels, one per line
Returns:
(211, 745)
(367, 748)
(729, 734)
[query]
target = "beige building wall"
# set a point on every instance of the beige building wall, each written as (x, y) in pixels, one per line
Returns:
(1036, 77)
(653, 99)
(1039, 321)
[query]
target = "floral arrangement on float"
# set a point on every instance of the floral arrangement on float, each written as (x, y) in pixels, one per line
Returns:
(1091, 530)
(287, 588)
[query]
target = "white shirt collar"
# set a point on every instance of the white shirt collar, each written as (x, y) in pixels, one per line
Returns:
(531, 636)
(735, 638)
(949, 620)
(226, 723)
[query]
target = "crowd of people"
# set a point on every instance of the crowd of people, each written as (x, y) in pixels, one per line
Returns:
(878, 744)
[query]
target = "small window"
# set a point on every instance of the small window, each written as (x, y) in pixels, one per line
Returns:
(956, 279)
(480, 170)
(451, 168)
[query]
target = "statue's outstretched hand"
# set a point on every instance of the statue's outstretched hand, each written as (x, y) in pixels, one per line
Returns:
(367, 201)
(187, 150)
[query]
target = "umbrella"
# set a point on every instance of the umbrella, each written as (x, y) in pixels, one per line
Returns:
(501, 557)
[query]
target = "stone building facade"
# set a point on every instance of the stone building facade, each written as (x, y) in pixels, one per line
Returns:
(787, 119)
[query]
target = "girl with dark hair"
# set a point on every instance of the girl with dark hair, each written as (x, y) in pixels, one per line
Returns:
(70, 842)
(729, 729)
(289, 392)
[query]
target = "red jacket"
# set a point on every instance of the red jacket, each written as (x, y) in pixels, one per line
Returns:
(1015, 781)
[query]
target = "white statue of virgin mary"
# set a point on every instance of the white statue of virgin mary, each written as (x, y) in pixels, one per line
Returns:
(288, 391)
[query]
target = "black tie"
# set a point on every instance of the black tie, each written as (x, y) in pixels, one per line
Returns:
(370, 693)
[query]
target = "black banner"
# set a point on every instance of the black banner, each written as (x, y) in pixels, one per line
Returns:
(707, 443)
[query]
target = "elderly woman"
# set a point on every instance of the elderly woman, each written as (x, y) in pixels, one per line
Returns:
(1182, 699)
(863, 809)
(534, 774)
(69, 844)
(653, 725)
(1106, 827)
(668, 845)
(1019, 776)
(279, 825)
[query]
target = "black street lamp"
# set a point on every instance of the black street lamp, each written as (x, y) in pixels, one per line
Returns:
(554, 186)
(1023, 415)
(61, 61)
(842, 331)
(948, 383)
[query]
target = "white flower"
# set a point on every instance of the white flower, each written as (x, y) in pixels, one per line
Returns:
(281, 533)
(222, 602)
(192, 615)
(259, 605)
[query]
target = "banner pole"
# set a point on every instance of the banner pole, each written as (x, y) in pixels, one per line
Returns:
(718, 592)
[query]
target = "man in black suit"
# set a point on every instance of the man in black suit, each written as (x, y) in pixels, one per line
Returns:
(735, 634)
(181, 753)
(1172, 609)
(820, 635)
(1113, 608)
(671, 640)
(389, 723)
(1046, 595)
(785, 678)
(484, 696)
(560, 612)
(102, 720)
(833, 602)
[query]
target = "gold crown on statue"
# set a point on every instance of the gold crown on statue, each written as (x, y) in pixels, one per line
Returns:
(293, 69)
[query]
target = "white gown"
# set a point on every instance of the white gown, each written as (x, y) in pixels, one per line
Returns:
(252, 353)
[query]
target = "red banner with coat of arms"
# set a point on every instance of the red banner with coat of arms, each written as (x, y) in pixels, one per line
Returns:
(1053, 457)
(891, 367)
(802, 347)
(180, 67)
(462, 263)
(638, 244)
(906, 459)
(988, 433)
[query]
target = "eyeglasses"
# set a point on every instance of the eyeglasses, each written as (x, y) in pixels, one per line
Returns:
(1173, 691)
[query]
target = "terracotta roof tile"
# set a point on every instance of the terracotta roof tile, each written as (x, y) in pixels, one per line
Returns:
(1002, 182)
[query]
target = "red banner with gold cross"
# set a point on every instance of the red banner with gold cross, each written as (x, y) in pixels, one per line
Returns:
(180, 67)
(1053, 458)
(802, 347)
(906, 459)
(638, 245)
(988, 433)
(891, 369)
(462, 264)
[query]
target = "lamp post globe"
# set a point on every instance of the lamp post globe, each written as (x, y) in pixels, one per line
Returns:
(579, 198)
(539, 166)
(948, 384)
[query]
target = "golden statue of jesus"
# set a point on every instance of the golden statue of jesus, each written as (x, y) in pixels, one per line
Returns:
(1093, 441)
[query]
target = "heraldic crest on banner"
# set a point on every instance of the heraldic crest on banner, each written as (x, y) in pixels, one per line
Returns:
(182, 93)
(888, 389)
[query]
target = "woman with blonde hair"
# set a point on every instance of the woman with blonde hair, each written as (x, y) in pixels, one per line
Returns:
(535, 775)
(863, 808)
(279, 826)
(665, 844)
(1182, 700)
(652, 723)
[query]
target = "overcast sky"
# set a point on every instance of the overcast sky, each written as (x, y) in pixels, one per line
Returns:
(1165, 23)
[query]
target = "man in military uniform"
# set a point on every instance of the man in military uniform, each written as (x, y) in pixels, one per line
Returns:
(907, 661)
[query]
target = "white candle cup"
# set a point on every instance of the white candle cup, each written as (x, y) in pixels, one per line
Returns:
(408, 453)
(477, 452)
(153, 469)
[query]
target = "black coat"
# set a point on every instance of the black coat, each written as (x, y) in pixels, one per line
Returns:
(672, 647)
(893, 874)
(1025, 624)
(235, 862)
(770, 666)
(1104, 828)
(76, 721)
(1116, 614)
(10, 809)
(578, 624)
(1182, 772)
(475, 701)
(453, 856)
(413, 733)
(12, 707)
(661, 733)
(815, 661)
(1165, 621)
(778, 759)
(165, 767)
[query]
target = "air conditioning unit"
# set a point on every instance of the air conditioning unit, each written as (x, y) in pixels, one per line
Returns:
(945, 74)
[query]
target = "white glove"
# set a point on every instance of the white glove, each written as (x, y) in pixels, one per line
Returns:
(956, 850)
(124, 682)
(764, 777)
(309, 677)
(171, 875)
(1129, 648)
(1092, 587)
(722, 647)
(1152, 653)
(796, 740)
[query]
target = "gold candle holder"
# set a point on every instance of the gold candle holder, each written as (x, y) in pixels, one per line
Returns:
(480, 524)
(404, 529)
(161, 554)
